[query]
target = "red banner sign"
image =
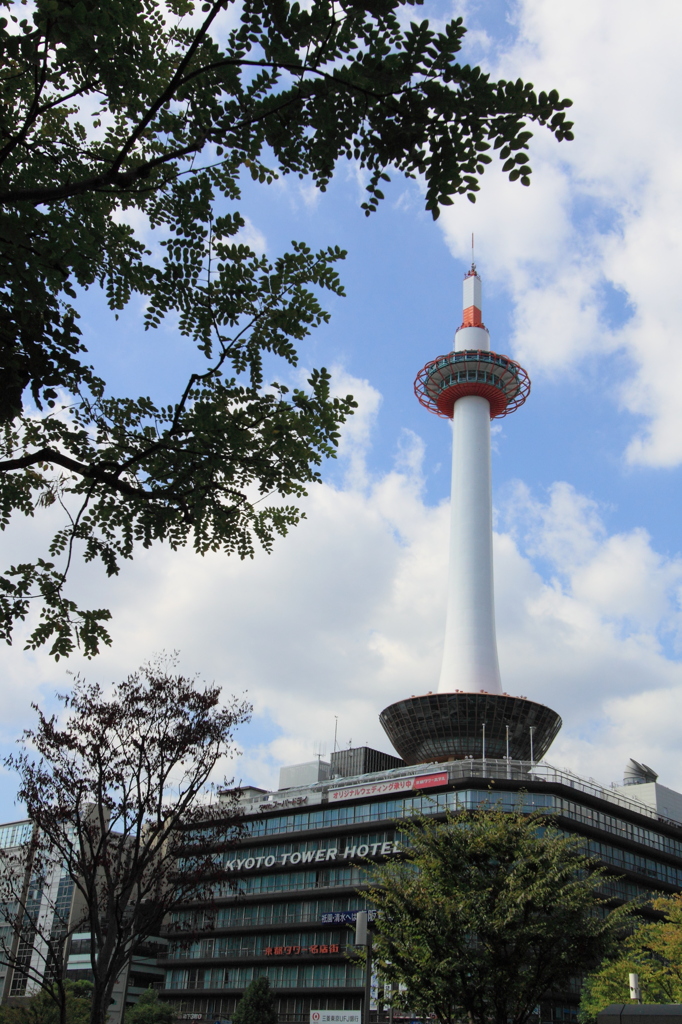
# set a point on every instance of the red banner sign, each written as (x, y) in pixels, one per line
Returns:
(425, 781)
(389, 786)
(296, 950)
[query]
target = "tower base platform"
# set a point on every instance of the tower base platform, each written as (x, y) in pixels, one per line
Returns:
(449, 727)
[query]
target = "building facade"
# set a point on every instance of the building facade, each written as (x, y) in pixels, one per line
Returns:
(298, 876)
(51, 900)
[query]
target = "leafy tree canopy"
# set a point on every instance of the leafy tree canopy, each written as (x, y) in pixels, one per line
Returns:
(654, 952)
(150, 1010)
(43, 1008)
(488, 912)
(112, 113)
(257, 1005)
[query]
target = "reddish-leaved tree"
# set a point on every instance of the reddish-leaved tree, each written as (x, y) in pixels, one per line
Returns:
(114, 790)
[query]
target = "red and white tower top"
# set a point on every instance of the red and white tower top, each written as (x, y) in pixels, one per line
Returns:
(471, 316)
(471, 368)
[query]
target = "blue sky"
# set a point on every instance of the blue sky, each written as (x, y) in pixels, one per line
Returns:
(580, 277)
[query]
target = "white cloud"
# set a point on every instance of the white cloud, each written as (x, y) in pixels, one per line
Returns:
(605, 209)
(347, 615)
(590, 640)
(252, 237)
(310, 194)
(356, 437)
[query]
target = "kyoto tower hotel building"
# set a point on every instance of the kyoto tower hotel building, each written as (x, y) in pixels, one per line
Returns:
(299, 873)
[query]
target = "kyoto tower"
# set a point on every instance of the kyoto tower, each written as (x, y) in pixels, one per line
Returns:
(470, 716)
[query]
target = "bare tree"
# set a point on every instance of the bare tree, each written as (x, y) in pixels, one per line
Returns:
(115, 793)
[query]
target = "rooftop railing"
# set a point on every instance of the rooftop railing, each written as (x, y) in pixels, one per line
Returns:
(490, 768)
(527, 771)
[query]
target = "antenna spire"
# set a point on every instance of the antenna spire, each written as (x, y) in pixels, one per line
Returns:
(473, 259)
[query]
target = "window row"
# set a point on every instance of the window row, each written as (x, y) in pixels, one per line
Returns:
(620, 889)
(468, 799)
(279, 976)
(410, 806)
(610, 855)
(351, 876)
(300, 912)
(293, 881)
(290, 1007)
(15, 835)
(628, 861)
(618, 826)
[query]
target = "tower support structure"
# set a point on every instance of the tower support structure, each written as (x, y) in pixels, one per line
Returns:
(470, 659)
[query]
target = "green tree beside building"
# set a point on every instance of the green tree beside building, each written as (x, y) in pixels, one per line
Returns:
(486, 914)
(257, 1005)
(44, 1008)
(150, 1010)
(654, 952)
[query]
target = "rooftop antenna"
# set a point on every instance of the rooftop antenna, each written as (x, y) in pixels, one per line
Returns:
(320, 751)
(473, 260)
(336, 731)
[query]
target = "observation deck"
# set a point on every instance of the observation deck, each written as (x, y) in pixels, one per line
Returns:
(501, 380)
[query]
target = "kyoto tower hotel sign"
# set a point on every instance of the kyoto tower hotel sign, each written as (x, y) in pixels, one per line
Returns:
(470, 716)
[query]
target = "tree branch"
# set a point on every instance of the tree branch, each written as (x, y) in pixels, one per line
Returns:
(172, 87)
(88, 472)
(123, 179)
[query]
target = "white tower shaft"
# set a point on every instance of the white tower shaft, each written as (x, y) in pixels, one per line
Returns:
(470, 655)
